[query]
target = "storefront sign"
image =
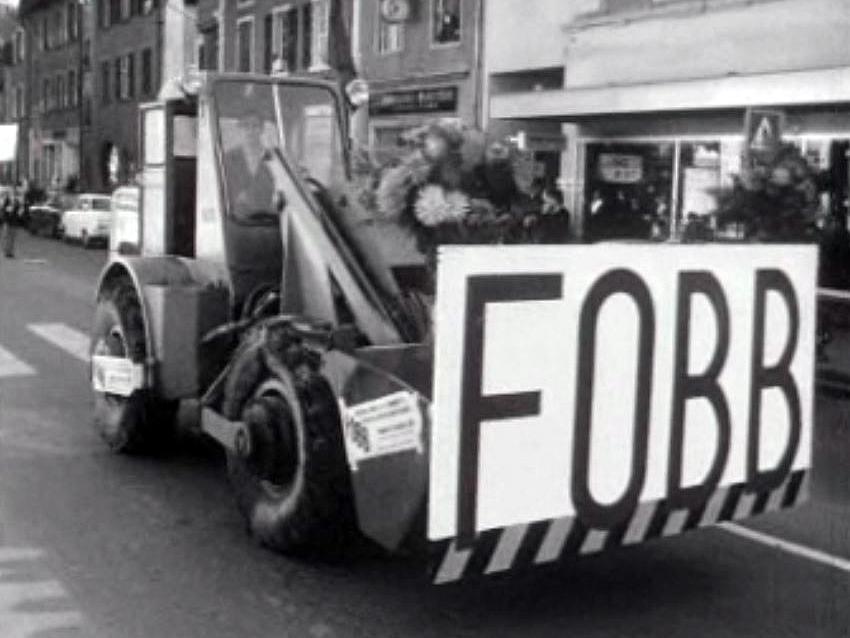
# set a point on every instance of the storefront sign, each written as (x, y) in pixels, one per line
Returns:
(415, 101)
(620, 169)
(709, 352)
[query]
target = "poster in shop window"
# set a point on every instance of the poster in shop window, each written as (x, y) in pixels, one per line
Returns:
(617, 168)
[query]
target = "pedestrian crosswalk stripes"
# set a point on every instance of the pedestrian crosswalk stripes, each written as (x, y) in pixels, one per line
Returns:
(12, 366)
(69, 339)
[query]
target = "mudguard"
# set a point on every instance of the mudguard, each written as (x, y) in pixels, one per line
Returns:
(180, 300)
(384, 405)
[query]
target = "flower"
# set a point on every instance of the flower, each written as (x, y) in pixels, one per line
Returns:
(436, 206)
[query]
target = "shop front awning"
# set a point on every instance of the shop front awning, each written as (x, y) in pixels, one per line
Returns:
(810, 88)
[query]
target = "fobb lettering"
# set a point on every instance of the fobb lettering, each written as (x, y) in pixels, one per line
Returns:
(477, 407)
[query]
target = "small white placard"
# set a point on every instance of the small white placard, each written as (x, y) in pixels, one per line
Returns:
(116, 375)
(388, 425)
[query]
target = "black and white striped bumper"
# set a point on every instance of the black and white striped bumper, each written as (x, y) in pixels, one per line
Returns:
(543, 542)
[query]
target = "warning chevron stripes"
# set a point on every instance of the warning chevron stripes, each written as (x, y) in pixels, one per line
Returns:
(529, 544)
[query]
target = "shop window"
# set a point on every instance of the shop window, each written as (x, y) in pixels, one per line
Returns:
(245, 44)
(445, 21)
(628, 190)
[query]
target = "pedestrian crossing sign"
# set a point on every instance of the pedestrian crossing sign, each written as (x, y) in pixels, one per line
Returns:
(763, 130)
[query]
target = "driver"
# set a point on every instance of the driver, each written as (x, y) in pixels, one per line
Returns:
(251, 183)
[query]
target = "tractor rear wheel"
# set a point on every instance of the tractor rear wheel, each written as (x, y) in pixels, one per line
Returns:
(291, 479)
(140, 422)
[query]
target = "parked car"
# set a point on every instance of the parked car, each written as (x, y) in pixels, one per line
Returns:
(89, 220)
(45, 217)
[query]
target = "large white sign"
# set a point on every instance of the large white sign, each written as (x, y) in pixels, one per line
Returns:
(583, 380)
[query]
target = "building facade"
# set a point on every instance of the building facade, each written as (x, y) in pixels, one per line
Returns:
(53, 81)
(138, 45)
(13, 94)
(422, 59)
(662, 126)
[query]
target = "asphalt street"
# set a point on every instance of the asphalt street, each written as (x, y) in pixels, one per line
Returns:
(93, 544)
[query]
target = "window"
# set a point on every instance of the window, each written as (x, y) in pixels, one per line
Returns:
(104, 82)
(131, 75)
(103, 13)
(126, 9)
(114, 11)
(148, 6)
(200, 53)
(60, 92)
(36, 35)
(48, 94)
(306, 36)
(285, 38)
(445, 21)
(321, 22)
(19, 45)
(73, 89)
(19, 100)
(86, 54)
(210, 36)
(390, 37)
(73, 17)
(45, 33)
(268, 43)
(147, 68)
(245, 44)
(57, 29)
(122, 87)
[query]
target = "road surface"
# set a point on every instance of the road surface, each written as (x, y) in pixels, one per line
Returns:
(103, 546)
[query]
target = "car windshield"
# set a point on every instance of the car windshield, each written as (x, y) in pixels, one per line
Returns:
(101, 203)
(255, 116)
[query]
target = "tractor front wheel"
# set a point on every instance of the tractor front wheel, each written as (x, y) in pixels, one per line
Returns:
(140, 422)
(291, 477)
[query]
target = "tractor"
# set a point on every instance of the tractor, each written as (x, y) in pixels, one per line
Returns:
(262, 291)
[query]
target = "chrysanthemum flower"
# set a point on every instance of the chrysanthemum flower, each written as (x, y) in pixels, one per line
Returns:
(436, 206)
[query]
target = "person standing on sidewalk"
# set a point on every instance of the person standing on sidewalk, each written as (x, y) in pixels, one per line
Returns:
(11, 218)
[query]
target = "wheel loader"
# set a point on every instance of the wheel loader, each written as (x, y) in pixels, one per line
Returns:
(544, 402)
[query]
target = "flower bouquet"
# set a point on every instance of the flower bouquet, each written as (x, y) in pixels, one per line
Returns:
(449, 186)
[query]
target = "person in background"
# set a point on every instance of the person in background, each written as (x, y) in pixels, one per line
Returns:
(552, 224)
(11, 220)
